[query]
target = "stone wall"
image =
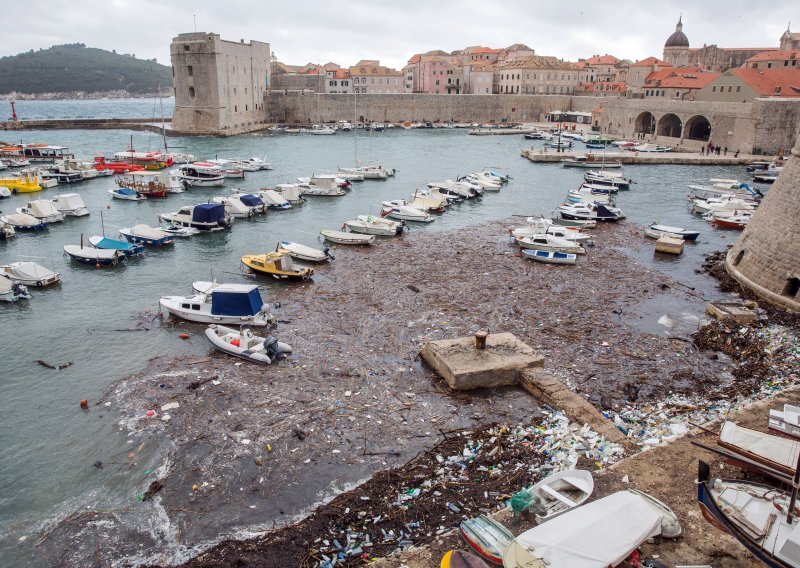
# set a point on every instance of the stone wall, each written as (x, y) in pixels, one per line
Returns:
(766, 258)
(307, 108)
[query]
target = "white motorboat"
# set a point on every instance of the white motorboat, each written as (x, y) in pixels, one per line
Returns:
(4, 191)
(322, 130)
(23, 222)
(201, 174)
(30, 274)
(551, 243)
(147, 235)
(43, 209)
(583, 195)
(550, 257)
(303, 252)
(547, 226)
(274, 200)
(786, 421)
(431, 200)
(369, 172)
(204, 217)
(71, 205)
(292, 192)
(234, 206)
(720, 204)
(243, 344)
(556, 143)
(371, 225)
(223, 303)
(81, 167)
(345, 238)
(651, 148)
(458, 189)
(401, 210)
(6, 231)
(590, 212)
(257, 162)
(12, 291)
(126, 194)
(718, 188)
(228, 167)
(176, 230)
(483, 180)
(590, 161)
(325, 181)
(317, 191)
(606, 179)
(254, 200)
(679, 232)
(350, 177)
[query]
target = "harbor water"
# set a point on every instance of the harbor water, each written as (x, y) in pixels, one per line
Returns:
(101, 321)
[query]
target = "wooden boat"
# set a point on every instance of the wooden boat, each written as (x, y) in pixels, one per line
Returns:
(147, 235)
(550, 257)
(344, 238)
(371, 225)
(30, 274)
(126, 248)
(126, 194)
(759, 452)
(559, 492)
(243, 344)
(759, 516)
(222, 304)
(146, 183)
(12, 291)
(488, 538)
(598, 535)
(303, 252)
(278, 265)
(461, 559)
(23, 222)
(785, 422)
(94, 256)
(736, 221)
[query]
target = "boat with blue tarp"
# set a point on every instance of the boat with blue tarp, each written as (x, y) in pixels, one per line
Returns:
(222, 303)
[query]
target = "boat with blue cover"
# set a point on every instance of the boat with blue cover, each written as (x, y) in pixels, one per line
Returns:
(204, 217)
(550, 257)
(220, 303)
(126, 248)
(126, 194)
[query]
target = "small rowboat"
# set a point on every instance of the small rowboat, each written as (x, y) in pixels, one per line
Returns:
(243, 344)
(343, 238)
(303, 252)
(560, 492)
(488, 538)
(94, 256)
(738, 222)
(550, 257)
(679, 232)
(278, 265)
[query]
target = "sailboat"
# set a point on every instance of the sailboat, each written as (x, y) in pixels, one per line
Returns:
(368, 171)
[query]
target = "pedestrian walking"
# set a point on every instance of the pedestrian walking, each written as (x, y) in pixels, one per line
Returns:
(736, 155)
(702, 150)
(725, 151)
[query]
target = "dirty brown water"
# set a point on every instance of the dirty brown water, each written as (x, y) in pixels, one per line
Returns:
(52, 491)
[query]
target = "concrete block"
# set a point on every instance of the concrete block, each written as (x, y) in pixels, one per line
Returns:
(731, 311)
(669, 245)
(464, 367)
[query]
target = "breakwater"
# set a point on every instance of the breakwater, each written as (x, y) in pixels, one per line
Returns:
(147, 124)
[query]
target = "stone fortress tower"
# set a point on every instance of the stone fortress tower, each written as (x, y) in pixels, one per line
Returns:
(676, 48)
(766, 258)
(219, 84)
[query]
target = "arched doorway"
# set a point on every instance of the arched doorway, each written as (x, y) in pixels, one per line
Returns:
(670, 125)
(645, 123)
(698, 128)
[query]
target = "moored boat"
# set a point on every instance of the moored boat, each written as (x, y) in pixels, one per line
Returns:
(680, 232)
(279, 265)
(487, 537)
(201, 174)
(786, 421)
(347, 238)
(12, 291)
(303, 252)
(71, 205)
(221, 303)
(204, 217)
(147, 235)
(125, 194)
(94, 256)
(244, 344)
(371, 225)
(42, 209)
(30, 274)
(125, 247)
(23, 222)
(550, 257)
(400, 210)
(549, 243)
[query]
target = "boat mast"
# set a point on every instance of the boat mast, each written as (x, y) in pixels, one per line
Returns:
(163, 126)
(793, 500)
(355, 130)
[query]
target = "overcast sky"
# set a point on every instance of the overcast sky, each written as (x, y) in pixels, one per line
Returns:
(345, 31)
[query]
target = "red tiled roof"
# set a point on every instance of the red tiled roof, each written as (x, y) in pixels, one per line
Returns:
(766, 81)
(603, 87)
(602, 60)
(774, 55)
(342, 74)
(650, 61)
(680, 78)
(414, 59)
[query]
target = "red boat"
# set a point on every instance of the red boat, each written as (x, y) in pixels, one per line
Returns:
(100, 163)
(736, 221)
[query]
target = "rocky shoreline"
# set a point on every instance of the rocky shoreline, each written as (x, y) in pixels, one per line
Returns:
(250, 451)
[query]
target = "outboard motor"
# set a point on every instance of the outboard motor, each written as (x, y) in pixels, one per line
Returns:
(275, 349)
(327, 252)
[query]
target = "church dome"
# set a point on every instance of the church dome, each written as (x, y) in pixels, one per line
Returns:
(678, 39)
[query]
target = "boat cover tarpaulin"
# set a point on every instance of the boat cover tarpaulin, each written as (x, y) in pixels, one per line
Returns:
(275, 197)
(230, 302)
(30, 271)
(600, 534)
(42, 208)
(250, 200)
(148, 232)
(604, 213)
(208, 213)
(773, 448)
(112, 244)
(126, 191)
(69, 201)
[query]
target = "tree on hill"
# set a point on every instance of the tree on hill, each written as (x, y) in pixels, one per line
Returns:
(75, 67)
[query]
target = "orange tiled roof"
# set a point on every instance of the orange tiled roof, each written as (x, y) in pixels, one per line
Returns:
(540, 62)
(414, 59)
(766, 81)
(680, 78)
(650, 61)
(774, 55)
(603, 87)
(342, 74)
(602, 60)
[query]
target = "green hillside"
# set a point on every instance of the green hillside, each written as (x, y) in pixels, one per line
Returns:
(75, 67)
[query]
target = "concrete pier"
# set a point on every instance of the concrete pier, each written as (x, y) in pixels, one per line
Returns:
(645, 158)
(148, 124)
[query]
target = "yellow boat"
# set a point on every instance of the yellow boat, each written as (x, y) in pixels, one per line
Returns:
(277, 264)
(25, 184)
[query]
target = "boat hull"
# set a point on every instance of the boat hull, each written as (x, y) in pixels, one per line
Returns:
(342, 238)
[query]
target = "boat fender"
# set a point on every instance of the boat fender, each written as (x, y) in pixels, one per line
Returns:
(235, 342)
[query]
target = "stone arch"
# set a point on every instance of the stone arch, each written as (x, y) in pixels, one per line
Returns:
(697, 128)
(645, 123)
(670, 125)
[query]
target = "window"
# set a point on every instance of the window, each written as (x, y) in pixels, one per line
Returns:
(234, 90)
(714, 89)
(245, 108)
(189, 70)
(437, 81)
(677, 94)
(185, 47)
(235, 108)
(769, 65)
(191, 91)
(738, 88)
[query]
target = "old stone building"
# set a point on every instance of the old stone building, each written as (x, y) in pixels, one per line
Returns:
(219, 84)
(744, 85)
(536, 74)
(766, 258)
(370, 77)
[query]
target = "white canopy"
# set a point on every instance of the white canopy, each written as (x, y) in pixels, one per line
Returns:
(773, 448)
(600, 534)
(42, 208)
(69, 201)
